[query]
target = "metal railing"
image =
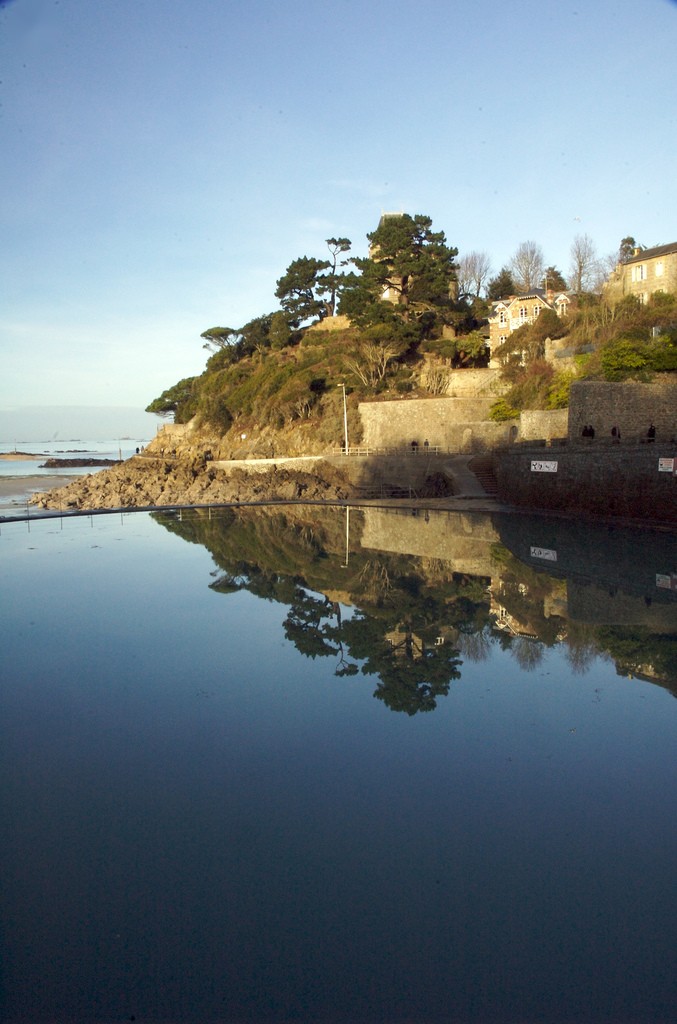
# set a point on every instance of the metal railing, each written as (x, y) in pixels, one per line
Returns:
(407, 449)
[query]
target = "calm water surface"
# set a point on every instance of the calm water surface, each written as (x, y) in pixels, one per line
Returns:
(311, 766)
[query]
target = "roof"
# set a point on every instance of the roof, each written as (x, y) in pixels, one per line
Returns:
(535, 293)
(649, 254)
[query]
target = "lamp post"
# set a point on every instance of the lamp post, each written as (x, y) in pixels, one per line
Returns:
(345, 417)
(344, 565)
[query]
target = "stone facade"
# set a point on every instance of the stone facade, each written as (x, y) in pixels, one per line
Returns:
(599, 480)
(629, 406)
(469, 383)
(540, 424)
(455, 424)
(464, 540)
(647, 272)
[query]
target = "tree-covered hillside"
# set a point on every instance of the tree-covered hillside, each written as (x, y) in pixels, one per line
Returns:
(392, 323)
(628, 341)
(285, 366)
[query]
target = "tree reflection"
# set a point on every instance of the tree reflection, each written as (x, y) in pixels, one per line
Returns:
(413, 673)
(581, 650)
(409, 621)
(527, 652)
(475, 646)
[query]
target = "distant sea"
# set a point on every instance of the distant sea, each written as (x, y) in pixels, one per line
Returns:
(64, 432)
(19, 478)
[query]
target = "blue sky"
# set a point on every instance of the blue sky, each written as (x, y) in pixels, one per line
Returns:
(164, 161)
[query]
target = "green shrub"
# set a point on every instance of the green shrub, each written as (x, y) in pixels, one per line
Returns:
(212, 409)
(663, 352)
(501, 411)
(558, 392)
(624, 358)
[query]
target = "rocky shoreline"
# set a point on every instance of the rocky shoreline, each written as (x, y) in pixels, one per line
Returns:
(145, 481)
(73, 463)
(623, 483)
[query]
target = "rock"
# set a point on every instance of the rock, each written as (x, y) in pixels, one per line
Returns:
(69, 463)
(193, 480)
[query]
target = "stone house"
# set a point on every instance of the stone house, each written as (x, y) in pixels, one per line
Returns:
(515, 311)
(646, 272)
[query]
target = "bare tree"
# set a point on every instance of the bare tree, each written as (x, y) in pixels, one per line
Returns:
(584, 270)
(474, 646)
(608, 263)
(527, 653)
(473, 272)
(527, 266)
(372, 360)
(435, 381)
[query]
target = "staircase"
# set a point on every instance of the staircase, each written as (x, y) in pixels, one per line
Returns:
(484, 469)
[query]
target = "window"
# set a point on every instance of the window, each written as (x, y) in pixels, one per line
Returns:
(659, 268)
(524, 312)
(638, 273)
(501, 317)
(537, 310)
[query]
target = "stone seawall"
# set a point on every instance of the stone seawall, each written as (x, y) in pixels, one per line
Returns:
(629, 405)
(597, 479)
(540, 424)
(455, 424)
(464, 540)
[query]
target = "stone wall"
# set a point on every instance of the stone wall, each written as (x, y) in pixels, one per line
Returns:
(175, 431)
(471, 383)
(464, 540)
(537, 424)
(559, 353)
(440, 379)
(659, 274)
(331, 323)
(598, 479)
(456, 424)
(629, 405)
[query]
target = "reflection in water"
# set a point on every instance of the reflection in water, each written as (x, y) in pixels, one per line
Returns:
(207, 822)
(407, 598)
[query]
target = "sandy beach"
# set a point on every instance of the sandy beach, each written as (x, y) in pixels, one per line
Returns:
(15, 491)
(20, 456)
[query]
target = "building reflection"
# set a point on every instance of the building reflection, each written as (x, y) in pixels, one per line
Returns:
(408, 598)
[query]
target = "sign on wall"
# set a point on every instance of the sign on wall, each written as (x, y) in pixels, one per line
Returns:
(545, 553)
(539, 466)
(666, 465)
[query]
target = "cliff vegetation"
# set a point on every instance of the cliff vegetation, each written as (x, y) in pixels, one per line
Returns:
(392, 324)
(598, 341)
(371, 324)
